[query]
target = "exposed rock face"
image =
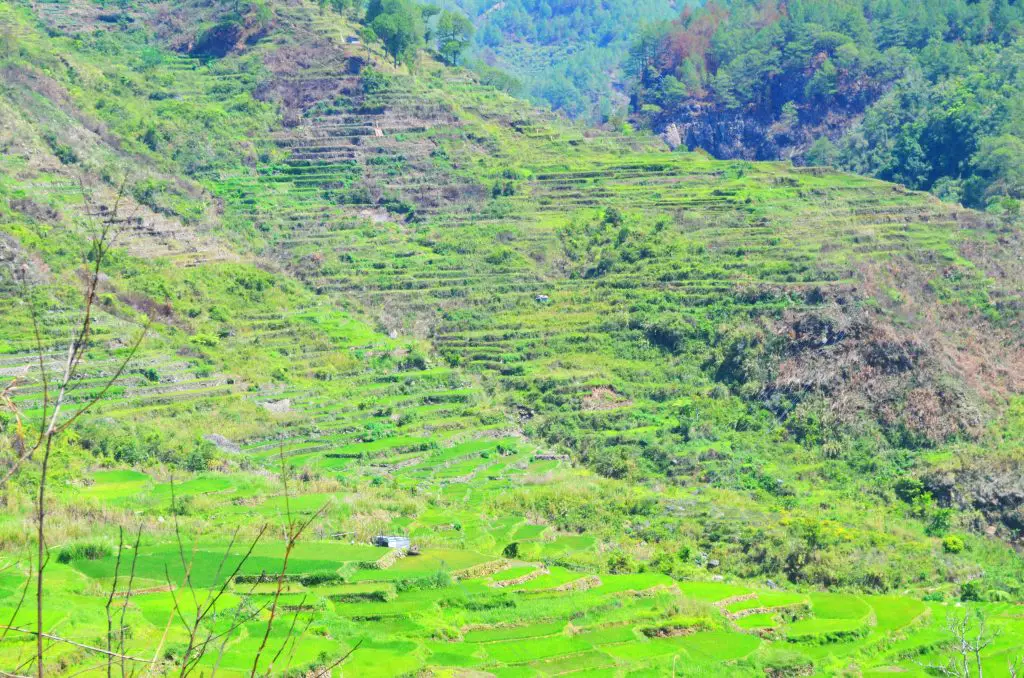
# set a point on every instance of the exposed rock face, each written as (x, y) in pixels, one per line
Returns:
(862, 363)
(219, 40)
(747, 135)
(858, 365)
(16, 266)
(222, 442)
(672, 136)
(996, 490)
(278, 406)
(724, 134)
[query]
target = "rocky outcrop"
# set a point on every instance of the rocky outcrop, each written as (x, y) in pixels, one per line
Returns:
(723, 134)
(994, 488)
(744, 134)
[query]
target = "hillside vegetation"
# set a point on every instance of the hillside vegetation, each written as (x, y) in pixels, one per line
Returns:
(568, 55)
(926, 94)
(655, 412)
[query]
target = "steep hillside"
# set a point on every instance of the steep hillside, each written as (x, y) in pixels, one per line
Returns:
(568, 363)
(926, 94)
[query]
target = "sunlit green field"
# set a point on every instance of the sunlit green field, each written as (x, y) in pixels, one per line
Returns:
(521, 617)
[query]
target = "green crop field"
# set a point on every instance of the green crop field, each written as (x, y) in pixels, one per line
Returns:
(639, 412)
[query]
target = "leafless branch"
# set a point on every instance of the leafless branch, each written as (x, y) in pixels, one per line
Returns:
(54, 398)
(197, 646)
(91, 648)
(290, 636)
(325, 672)
(127, 597)
(293, 532)
(969, 636)
(21, 599)
(110, 601)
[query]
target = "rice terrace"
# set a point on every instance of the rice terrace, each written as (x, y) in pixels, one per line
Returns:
(330, 348)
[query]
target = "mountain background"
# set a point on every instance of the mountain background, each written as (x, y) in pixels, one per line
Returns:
(925, 94)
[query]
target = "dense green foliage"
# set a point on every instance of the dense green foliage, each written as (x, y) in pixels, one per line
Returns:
(587, 376)
(924, 94)
(939, 86)
(399, 25)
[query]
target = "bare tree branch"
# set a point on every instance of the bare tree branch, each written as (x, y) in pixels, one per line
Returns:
(110, 601)
(127, 597)
(21, 600)
(326, 671)
(293, 531)
(91, 648)
(969, 636)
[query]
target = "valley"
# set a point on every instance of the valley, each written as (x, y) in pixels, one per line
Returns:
(639, 412)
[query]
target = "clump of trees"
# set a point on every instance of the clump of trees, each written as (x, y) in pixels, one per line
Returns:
(453, 33)
(400, 26)
(405, 27)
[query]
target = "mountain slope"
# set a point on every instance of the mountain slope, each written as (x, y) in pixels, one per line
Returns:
(925, 94)
(420, 293)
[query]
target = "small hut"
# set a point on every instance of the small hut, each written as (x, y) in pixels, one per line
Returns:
(391, 541)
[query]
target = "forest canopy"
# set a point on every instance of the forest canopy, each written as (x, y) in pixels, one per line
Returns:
(927, 94)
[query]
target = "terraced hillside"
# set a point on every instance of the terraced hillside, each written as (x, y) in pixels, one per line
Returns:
(615, 395)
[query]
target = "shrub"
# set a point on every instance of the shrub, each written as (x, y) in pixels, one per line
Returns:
(321, 577)
(198, 460)
(83, 551)
(909, 489)
(207, 340)
(375, 81)
(620, 563)
(940, 521)
(414, 360)
(970, 591)
(477, 602)
(952, 544)
(181, 506)
(438, 580)
(64, 153)
(219, 314)
(380, 595)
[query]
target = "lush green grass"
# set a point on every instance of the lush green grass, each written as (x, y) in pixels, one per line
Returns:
(513, 633)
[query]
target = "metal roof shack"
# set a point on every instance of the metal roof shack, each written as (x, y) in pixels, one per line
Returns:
(391, 541)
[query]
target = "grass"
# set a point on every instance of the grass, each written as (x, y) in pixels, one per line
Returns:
(836, 606)
(712, 591)
(513, 633)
